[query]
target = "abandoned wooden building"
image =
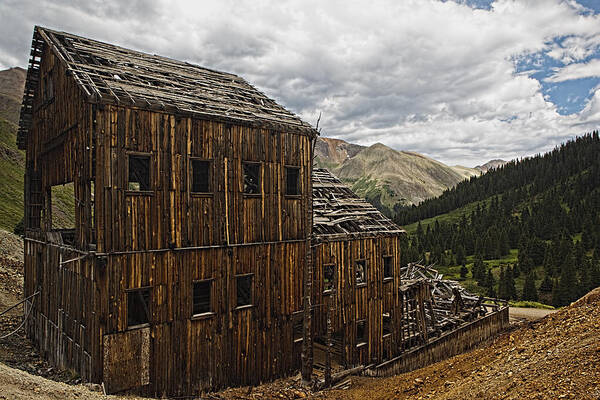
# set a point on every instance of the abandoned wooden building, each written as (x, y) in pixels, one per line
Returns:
(205, 251)
(184, 268)
(356, 274)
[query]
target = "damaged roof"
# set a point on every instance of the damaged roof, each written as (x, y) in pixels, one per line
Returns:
(114, 75)
(338, 212)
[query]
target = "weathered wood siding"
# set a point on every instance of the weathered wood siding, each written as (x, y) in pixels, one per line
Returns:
(447, 345)
(164, 239)
(60, 147)
(243, 345)
(170, 215)
(357, 302)
(63, 322)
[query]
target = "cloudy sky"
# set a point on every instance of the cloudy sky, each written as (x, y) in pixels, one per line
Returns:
(462, 81)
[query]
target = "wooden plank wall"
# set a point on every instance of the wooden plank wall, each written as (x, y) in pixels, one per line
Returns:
(60, 143)
(63, 322)
(360, 302)
(231, 347)
(449, 344)
(170, 215)
(262, 234)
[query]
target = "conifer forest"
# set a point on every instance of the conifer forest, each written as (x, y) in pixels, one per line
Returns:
(527, 231)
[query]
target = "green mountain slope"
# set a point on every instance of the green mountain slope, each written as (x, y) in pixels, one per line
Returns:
(12, 170)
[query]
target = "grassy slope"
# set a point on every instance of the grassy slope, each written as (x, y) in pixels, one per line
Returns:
(450, 217)
(12, 171)
(11, 177)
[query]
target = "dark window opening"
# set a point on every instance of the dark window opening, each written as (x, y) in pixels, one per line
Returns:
(139, 173)
(292, 178)
(298, 328)
(244, 290)
(62, 206)
(251, 178)
(387, 324)
(361, 332)
(200, 176)
(388, 270)
(328, 277)
(138, 307)
(361, 271)
(201, 297)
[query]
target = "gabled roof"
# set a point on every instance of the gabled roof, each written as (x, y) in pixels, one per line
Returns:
(338, 212)
(111, 74)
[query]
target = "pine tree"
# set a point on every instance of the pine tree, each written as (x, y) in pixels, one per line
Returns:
(489, 283)
(515, 271)
(464, 271)
(595, 273)
(529, 290)
(502, 285)
(546, 285)
(557, 300)
(567, 282)
(512, 290)
(460, 255)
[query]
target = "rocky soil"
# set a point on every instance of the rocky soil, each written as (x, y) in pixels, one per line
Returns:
(556, 357)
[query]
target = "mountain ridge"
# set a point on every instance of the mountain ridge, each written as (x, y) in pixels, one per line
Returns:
(386, 177)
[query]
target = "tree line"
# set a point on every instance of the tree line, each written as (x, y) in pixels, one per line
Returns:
(547, 207)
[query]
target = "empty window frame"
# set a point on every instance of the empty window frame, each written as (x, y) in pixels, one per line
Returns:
(292, 181)
(63, 206)
(251, 178)
(388, 267)
(243, 284)
(138, 307)
(138, 175)
(298, 327)
(201, 171)
(361, 272)
(387, 324)
(201, 297)
(328, 277)
(361, 332)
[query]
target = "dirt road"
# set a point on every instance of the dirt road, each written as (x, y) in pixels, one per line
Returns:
(529, 314)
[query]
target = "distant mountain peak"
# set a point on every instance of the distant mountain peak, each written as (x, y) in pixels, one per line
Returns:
(387, 176)
(492, 164)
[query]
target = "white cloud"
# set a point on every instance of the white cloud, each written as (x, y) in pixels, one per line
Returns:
(423, 75)
(576, 71)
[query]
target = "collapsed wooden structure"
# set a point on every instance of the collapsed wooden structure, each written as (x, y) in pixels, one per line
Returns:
(370, 311)
(194, 262)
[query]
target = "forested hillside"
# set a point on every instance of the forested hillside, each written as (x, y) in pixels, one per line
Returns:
(529, 230)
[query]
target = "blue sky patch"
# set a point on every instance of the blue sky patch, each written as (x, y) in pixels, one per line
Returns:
(569, 96)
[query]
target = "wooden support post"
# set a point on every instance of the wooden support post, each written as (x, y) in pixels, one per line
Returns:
(307, 346)
(330, 310)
